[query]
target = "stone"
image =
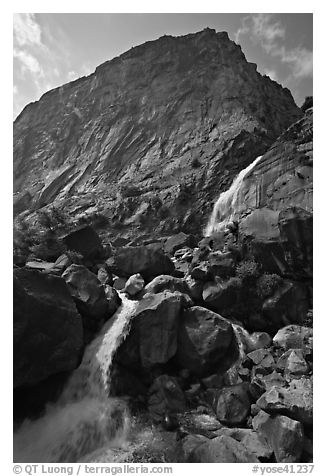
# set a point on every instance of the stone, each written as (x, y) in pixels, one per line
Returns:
(221, 264)
(104, 276)
(260, 340)
(85, 241)
(62, 263)
(296, 235)
(195, 289)
(293, 337)
(166, 282)
(176, 242)
(293, 362)
(284, 435)
(253, 441)
(262, 358)
(113, 299)
(88, 294)
(153, 334)
(201, 272)
(222, 449)
(295, 401)
(204, 338)
(119, 283)
(219, 297)
(232, 404)
(288, 305)
(165, 398)
(48, 331)
(134, 284)
(150, 261)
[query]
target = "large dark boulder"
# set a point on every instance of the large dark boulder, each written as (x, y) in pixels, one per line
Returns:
(149, 261)
(88, 294)
(288, 305)
(204, 338)
(222, 449)
(85, 241)
(166, 282)
(152, 339)
(176, 242)
(296, 236)
(221, 297)
(48, 331)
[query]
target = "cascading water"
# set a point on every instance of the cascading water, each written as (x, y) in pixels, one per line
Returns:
(85, 417)
(224, 208)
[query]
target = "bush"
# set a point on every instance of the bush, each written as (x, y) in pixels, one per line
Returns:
(195, 163)
(247, 270)
(267, 284)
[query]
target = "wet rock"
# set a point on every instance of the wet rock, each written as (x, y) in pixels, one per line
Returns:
(283, 434)
(165, 398)
(203, 339)
(152, 339)
(134, 284)
(201, 272)
(296, 401)
(48, 331)
(149, 261)
(85, 241)
(88, 294)
(112, 298)
(232, 404)
(119, 283)
(176, 242)
(195, 289)
(294, 337)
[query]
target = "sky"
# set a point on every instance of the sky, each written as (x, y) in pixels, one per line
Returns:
(50, 49)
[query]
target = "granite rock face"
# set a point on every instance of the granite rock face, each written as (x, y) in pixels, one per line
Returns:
(152, 136)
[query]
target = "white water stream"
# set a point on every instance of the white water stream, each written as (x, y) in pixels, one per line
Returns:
(85, 417)
(225, 206)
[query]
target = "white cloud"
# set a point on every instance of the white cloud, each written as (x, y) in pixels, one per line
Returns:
(28, 62)
(264, 30)
(272, 74)
(26, 30)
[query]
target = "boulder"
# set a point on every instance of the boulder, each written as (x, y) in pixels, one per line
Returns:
(288, 305)
(88, 294)
(284, 435)
(204, 338)
(232, 404)
(113, 299)
(294, 337)
(260, 340)
(220, 297)
(295, 401)
(85, 241)
(292, 362)
(104, 276)
(176, 242)
(165, 398)
(134, 284)
(152, 339)
(221, 264)
(48, 331)
(166, 282)
(119, 283)
(149, 261)
(262, 358)
(296, 235)
(222, 449)
(195, 289)
(253, 441)
(201, 272)
(62, 263)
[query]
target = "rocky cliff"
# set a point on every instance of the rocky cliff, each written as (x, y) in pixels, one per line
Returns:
(152, 137)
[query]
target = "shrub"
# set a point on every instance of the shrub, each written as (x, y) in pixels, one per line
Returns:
(267, 284)
(195, 163)
(247, 270)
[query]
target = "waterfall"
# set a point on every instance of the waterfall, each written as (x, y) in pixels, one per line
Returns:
(225, 206)
(85, 417)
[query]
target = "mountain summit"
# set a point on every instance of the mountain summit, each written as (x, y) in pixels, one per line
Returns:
(152, 136)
